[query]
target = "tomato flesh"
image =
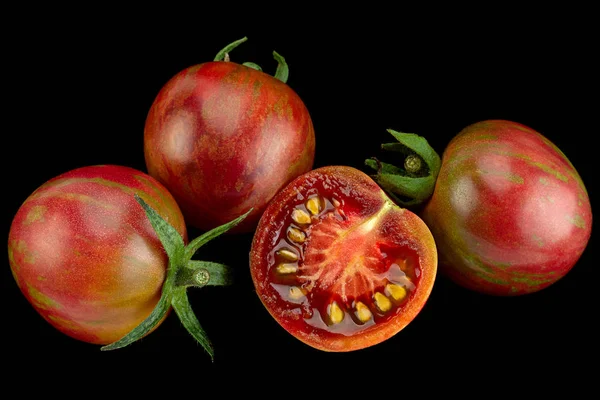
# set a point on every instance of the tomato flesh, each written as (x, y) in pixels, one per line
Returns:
(341, 261)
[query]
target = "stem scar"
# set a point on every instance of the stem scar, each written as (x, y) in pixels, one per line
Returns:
(202, 276)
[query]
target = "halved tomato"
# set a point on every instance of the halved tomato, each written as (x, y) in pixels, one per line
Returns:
(338, 264)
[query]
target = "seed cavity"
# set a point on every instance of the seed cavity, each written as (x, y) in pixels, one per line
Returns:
(396, 291)
(382, 302)
(287, 254)
(336, 315)
(313, 205)
(362, 312)
(296, 293)
(296, 235)
(301, 216)
(287, 268)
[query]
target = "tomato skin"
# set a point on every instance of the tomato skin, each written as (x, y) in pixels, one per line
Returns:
(394, 227)
(85, 255)
(223, 138)
(510, 213)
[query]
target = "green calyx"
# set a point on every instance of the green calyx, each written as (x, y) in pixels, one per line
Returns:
(413, 183)
(182, 273)
(282, 72)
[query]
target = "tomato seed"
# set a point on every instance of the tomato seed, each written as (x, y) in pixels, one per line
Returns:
(383, 303)
(287, 254)
(313, 205)
(335, 313)
(396, 291)
(285, 269)
(301, 216)
(362, 312)
(296, 293)
(296, 235)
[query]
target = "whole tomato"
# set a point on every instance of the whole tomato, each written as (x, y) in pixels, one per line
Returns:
(509, 212)
(338, 264)
(225, 137)
(85, 255)
(102, 254)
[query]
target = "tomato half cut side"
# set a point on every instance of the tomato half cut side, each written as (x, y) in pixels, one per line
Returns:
(338, 264)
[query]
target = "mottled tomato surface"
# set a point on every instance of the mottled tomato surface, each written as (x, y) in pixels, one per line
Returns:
(85, 255)
(224, 138)
(338, 264)
(509, 213)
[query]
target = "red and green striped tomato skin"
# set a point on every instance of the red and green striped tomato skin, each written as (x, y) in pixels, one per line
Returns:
(223, 138)
(509, 213)
(85, 255)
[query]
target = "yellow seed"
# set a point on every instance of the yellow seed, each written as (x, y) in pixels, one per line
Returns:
(396, 291)
(383, 303)
(296, 235)
(335, 313)
(287, 254)
(313, 205)
(335, 202)
(287, 268)
(296, 293)
(362, 312)
(300, 216)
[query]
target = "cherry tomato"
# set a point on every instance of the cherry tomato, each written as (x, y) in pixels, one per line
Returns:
(85, 255)
(509, 212)
(225, 137)
(338, 264)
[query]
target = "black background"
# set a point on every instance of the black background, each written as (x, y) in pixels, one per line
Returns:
(80, 88)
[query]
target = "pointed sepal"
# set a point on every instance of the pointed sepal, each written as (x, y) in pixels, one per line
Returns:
(183, 309)
(182, 273)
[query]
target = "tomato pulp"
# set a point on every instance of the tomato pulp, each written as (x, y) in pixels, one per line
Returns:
(224, 138)
(85, 255)
(509, 212)
(338, 264)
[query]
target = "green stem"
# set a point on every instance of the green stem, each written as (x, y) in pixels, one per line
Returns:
(412, 164)
(412, 184)
(204, 273)
(220, 274)
(197, 277)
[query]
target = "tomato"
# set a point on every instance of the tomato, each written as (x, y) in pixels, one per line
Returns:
(224, 138)
(509, 212)
(338, 264)
(85, 255)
